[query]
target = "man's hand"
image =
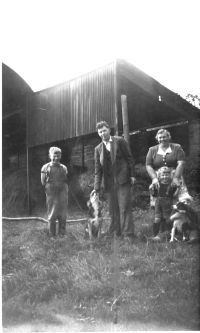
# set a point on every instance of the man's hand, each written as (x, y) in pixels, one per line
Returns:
(133, 180)
(94, 192)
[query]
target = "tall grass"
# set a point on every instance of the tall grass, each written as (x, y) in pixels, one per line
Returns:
(44, 278)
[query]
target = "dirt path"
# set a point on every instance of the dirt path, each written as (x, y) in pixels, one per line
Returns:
(82, 325)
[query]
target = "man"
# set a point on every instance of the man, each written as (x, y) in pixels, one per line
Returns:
(114, 169)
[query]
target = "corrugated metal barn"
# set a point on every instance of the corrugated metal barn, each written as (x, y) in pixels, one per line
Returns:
(72, 109)
(14, 91)
(66, 114)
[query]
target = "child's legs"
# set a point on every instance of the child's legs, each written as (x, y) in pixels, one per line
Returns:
(62, 210)
(61, 226)
(51, 209)
(52, 227)
(166, 212)
(157, 217)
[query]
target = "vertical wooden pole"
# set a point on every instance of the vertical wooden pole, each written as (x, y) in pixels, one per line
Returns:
(83, 153)
(114, 307)
(115, 98)
(27, 155)
(125, 118)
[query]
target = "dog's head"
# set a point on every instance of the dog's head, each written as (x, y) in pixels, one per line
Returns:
(181, 206)
(183, 203)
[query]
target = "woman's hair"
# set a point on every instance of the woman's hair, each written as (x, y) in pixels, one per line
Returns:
(101, 124)
(163, 131)
(53, 150)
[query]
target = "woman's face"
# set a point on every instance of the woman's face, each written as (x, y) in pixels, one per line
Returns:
(163, 139)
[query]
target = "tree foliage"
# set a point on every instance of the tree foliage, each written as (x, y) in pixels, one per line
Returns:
(193, 99)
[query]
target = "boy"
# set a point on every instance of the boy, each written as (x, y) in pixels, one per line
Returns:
(54, 180)
(163, 200)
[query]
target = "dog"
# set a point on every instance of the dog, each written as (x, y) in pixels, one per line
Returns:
(94, 223)
(184, 219)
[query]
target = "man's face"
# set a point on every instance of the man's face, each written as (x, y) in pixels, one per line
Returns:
(55, 157)
(104, 133)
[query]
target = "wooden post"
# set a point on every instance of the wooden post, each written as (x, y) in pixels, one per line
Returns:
(115, 98)
(83, 153)
(27, 156)
(114, 307)
(125, 118)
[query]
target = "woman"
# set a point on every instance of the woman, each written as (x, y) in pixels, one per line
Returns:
(165, 154)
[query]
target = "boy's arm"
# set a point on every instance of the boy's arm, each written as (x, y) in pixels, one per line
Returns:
(66, 172)
(43, 176)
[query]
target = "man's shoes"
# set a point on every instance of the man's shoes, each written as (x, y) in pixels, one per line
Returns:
(107, 235)
(130, 238)
(156, 238)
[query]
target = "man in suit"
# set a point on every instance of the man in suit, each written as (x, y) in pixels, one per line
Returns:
(114, 170)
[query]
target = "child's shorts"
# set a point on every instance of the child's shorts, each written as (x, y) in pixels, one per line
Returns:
(163, 208)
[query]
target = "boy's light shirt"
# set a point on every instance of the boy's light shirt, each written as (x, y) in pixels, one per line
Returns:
(107, 144)
(162, 152)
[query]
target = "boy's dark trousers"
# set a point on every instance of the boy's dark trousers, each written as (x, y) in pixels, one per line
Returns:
(61, 227)
(163, 208)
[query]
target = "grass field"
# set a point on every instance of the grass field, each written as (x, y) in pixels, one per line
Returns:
(67, 284)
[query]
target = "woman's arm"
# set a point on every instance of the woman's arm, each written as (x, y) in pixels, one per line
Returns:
(178, 173)
(153, 175)
(150, 170)
(180, 157)
(179, 169)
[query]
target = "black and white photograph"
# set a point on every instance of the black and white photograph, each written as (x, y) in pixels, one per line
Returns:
(100, 171)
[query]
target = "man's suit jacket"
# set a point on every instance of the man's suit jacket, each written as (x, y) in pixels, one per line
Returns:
(122, 163)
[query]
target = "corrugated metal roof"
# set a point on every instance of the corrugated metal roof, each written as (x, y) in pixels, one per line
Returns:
(72, 109)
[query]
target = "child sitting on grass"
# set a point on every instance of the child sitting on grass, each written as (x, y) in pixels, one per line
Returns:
(163, 200)
(54, 180)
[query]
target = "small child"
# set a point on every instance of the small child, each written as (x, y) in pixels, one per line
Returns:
(54, 180)
(163, 200)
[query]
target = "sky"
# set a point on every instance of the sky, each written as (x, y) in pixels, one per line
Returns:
(48, 42)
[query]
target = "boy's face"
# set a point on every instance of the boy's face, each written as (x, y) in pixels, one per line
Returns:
(165, 177)
(104, 133)
(55, 157)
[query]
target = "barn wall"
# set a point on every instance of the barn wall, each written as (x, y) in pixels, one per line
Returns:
(78, 155)
(194, 141)
(145, 110)
(80, 151)
(72, 108)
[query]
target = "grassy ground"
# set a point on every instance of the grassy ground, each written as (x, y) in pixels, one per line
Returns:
(67, 283)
